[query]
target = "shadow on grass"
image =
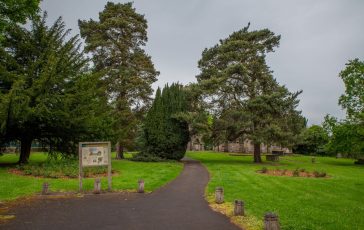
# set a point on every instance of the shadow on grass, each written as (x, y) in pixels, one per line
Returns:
(341, 163)
(8, 165)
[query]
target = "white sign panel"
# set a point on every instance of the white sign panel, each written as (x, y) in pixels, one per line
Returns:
(95, 155)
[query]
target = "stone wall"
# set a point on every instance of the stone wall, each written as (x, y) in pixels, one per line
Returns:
(195, 144)
(247, 147)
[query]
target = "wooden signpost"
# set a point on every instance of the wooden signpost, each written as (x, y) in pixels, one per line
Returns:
(94, 154)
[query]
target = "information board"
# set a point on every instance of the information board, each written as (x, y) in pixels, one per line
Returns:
(93, 154)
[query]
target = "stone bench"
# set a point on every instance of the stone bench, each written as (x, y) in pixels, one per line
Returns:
(272, 157)
(278, 152)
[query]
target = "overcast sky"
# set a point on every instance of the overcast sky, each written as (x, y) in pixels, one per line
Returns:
(318, 38)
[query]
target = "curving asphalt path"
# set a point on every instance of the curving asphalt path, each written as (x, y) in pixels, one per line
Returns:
(178, 205)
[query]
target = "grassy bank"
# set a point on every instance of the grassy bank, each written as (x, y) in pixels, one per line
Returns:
(127, 174)
(301, 203)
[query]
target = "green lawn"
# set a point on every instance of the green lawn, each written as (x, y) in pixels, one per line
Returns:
(155, 175)
(301, 203)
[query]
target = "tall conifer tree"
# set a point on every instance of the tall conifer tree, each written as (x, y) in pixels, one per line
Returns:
(116, 43)
(165, 133)
(45, 93)
(244, 96)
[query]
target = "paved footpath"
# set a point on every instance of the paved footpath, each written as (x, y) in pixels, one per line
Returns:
(178, 205)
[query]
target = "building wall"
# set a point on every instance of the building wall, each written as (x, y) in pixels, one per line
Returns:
(195, 144)
(247, 147)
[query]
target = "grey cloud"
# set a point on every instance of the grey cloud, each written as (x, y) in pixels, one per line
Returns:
(318, 38)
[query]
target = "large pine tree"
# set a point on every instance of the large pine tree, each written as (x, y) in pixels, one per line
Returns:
(246, 100)
(116, 43)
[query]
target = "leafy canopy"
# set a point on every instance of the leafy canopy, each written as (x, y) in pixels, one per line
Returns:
(353, 77)
(16, 11)
(347, 136)
(313, 141)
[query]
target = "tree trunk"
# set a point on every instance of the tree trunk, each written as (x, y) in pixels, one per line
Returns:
(25, 146)
(257, 157)
(119, 151)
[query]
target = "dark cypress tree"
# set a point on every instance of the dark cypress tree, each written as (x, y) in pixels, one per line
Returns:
(165, 134)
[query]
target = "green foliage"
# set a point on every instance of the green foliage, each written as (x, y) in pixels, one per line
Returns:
(353, 77)
(200, 121)
(145, 157)
(54, 169)
(347, 138)
(46, 92)
(319, 174)
(165, 133)
(264, 170)
(313, 141)
(116, 43)
(12, 12)
(245, 99)
(296, 172)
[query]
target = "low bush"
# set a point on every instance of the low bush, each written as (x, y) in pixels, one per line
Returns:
(146, 158)
(264, 170)
(319, 174)
(58, 168)
(296, 172)
(284, 171)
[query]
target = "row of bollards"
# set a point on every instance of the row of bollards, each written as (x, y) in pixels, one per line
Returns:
(97, 186)
(271, 221)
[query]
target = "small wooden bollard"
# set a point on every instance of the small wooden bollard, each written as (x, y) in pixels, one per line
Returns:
(313, 160)
(239, 208)
(219, 195)
(141, 186)
(271, 221)
(45, 188)
(97, 186)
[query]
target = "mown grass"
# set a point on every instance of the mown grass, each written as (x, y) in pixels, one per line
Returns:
(301, 203)
(155, 175)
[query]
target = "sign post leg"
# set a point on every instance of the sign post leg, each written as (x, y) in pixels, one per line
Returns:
(80, 172)
(109, 169)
